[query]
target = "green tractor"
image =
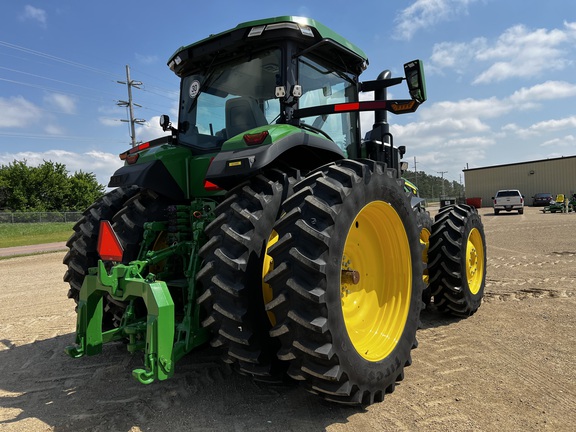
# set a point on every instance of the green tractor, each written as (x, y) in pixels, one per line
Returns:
(266, 226)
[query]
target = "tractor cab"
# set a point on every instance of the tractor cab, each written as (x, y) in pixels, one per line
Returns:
(236, 87)
(288, 81)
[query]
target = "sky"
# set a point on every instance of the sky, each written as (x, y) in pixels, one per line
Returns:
(500, 74)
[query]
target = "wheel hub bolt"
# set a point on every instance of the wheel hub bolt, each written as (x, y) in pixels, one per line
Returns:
(350, 277)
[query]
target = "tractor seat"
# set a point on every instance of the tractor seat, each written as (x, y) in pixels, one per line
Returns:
(243, 114)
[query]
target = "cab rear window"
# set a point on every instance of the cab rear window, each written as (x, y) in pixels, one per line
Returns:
(509, 193)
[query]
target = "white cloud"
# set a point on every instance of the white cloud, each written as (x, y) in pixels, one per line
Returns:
(521, 53)
(567, 141)
(150, 130)
(467, 114)
(51, 129)
(63, 103)
(35, 14)
(101, 164)
(17, 112)
(427, 13)
(146, 59)
(545, 91)
(518, 52)
(466, 108)
(454, 56)
(449, 135)
(549, 126)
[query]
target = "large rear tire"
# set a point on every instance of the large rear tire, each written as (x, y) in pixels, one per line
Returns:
(234, 260)
(457, 260)
(145, 206)
(83, 254)
(347, 282)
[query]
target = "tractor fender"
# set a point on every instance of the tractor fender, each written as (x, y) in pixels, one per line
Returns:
(416, 201)
(149, 175)
(300, 150)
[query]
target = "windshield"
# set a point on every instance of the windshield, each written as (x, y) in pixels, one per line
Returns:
(228, 100)
(324, 86)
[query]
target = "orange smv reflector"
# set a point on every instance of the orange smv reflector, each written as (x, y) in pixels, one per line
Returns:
(109, 247)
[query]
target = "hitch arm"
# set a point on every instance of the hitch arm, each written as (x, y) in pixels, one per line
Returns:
(124, 284)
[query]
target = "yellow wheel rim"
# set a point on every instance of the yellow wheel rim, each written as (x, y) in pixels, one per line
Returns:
(474, 261)
(267, 267)
(376, 281)
(425, 242)
(159, 244)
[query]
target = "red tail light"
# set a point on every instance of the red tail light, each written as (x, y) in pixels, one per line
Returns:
(109, 247)
(255, 138)
(209, 186)
(133, 150)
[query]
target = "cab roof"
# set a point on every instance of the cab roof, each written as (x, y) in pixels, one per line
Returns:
(311, 32)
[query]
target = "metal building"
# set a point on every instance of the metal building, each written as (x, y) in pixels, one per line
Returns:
(555, 176)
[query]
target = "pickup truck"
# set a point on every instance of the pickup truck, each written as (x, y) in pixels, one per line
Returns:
(508, 200)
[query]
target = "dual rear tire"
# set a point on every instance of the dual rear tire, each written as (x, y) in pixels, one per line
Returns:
(457, 261)
(347, 282)
(327, 287)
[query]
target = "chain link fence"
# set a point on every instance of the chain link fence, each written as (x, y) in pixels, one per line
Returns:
(36, 217)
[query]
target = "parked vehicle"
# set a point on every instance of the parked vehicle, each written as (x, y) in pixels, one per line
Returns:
(541, 199)
(559, 204)
(508, 200)
(266, 226)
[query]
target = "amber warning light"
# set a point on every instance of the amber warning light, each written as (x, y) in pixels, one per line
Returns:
(109, 247)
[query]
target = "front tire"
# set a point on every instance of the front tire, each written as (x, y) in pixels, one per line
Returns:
(347, 282)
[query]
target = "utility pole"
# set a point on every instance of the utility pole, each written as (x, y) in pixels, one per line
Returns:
(415, 173)
(130, 104)
(442, 173)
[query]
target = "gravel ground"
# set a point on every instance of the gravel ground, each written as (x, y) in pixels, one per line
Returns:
(510, 367)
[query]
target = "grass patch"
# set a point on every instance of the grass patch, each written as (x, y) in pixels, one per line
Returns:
(24, 234)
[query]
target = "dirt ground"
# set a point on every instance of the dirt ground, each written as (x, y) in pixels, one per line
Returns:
(510, 367)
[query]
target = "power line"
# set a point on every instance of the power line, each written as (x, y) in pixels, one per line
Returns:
(157, 91)
(56, 59)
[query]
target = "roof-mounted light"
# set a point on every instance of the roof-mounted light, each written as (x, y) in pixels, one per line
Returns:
(175, 62)
(306, 31)
(283, 25)
(257, 31)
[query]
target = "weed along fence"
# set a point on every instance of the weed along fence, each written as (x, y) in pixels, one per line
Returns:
(37, 217)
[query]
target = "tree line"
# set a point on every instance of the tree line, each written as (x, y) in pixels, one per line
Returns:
(431, 186)
(47, 187)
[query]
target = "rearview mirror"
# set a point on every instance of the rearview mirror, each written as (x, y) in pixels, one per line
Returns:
(414, 72)
(165, 122)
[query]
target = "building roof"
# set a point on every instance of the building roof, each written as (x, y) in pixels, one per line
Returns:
(520, 163)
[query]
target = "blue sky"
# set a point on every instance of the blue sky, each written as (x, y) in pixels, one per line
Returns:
(501, 75)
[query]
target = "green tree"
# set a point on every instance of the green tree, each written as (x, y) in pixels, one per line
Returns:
(47, 187)
(431, 186)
